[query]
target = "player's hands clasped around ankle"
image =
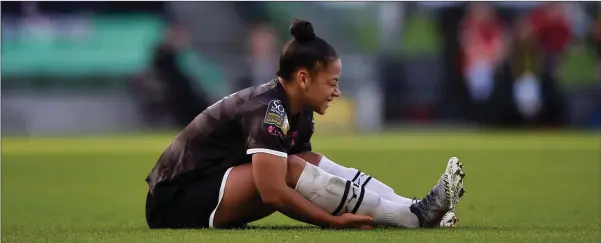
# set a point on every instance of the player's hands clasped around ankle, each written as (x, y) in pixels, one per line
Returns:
(352, 221)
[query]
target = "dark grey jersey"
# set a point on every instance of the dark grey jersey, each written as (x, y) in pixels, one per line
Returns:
(227, 133)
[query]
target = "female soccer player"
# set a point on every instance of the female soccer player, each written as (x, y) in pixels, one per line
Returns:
(250, 154)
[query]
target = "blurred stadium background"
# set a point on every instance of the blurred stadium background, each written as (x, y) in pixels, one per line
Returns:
(81, 67)
(79, 78)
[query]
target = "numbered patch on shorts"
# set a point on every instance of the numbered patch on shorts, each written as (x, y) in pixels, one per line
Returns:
(276, 115)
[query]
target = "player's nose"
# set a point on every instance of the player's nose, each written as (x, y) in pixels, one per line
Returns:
(337, 92)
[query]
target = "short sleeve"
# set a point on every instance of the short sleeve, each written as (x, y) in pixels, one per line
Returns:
(265, 128)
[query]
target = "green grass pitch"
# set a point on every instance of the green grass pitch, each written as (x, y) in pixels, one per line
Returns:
(521, 187)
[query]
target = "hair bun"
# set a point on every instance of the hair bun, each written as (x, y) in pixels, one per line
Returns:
(302, 30)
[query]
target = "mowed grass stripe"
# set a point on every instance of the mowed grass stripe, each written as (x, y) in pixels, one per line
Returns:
(397, 141)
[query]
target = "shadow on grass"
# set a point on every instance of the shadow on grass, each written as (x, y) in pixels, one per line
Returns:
(457, 229)
(467, 228)
(137, 229)
(281, 227)
(381, 228)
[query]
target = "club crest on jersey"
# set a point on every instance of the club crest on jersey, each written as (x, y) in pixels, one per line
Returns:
(276, 115)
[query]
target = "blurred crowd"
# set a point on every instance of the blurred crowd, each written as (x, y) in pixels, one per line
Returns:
(499, 66)
(502, 66)
(510, 68)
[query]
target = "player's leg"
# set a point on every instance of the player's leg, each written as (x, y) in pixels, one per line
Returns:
(187, 202)
(356, 176)
(436, 199)
(437, 209)
(241, 201)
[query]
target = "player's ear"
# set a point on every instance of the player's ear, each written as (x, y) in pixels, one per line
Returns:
(303, 78)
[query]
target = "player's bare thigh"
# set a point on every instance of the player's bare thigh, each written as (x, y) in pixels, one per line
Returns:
(241, 202)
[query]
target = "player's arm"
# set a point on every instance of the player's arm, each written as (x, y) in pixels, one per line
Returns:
(269, 172)
(266, 142)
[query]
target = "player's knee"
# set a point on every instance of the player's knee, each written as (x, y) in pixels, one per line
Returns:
(310, 157)
(324, 189)
(296, 165)
(296, 161)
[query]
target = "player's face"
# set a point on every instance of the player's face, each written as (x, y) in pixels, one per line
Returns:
(323, 87)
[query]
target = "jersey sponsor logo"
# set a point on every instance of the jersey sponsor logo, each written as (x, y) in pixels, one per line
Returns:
(276, 115)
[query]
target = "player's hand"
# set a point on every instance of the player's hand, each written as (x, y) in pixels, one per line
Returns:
(349, 221)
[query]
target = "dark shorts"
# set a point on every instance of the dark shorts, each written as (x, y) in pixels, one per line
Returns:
(186, 204)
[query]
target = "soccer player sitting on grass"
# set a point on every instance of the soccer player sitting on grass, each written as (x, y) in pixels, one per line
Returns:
(249, 155)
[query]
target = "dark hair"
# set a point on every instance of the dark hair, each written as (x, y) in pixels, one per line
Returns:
(305, 50)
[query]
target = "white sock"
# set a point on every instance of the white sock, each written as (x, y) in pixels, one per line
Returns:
(337, 195)
(362, 179)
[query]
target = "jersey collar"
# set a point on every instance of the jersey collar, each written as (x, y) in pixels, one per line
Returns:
(281, 95)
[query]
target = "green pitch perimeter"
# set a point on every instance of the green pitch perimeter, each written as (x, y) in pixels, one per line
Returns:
(520, 188)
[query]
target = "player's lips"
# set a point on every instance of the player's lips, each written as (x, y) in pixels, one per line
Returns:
(327, 104)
